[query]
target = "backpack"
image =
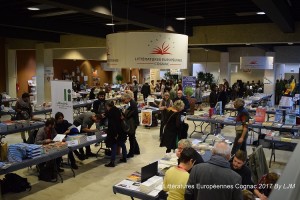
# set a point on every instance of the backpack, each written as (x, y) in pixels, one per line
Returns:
(14, 183)
(47, 171)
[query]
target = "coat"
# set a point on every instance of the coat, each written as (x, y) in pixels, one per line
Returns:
(172, 130)
(114, 131)
(132, 116)
(216, 172)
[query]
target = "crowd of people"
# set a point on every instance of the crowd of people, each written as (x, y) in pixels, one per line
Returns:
(188, 179)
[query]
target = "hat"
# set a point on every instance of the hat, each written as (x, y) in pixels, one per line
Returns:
(74, 131)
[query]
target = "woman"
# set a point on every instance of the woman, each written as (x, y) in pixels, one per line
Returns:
(171, 130)
(241, 128)
(115, 134)
(46, 135)
(62, 127)
(163, 106)
(198, 96)
(213, 96)
(178, 176)
(135, 90)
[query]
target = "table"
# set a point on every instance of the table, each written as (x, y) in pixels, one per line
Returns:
(35, 161)
(140, 195)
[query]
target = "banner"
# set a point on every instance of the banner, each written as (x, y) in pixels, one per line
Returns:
(189, 81)
(147, 50)
(256, 62)
(61, 91)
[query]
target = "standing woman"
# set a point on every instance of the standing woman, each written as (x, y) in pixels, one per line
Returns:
(115, 134)
(131, 114)
(135, 90)
(241, 128)
(163, 106)
(198, 96)
(171, 133)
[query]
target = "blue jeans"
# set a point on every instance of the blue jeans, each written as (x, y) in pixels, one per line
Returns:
(114, 150)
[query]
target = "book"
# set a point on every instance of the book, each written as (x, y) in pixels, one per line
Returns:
(135, 176)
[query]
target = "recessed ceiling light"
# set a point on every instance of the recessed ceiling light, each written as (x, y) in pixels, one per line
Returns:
(248, 44)
(290, 43)
(33, 8)
(180, 18)
(260, 13)
(110, 24)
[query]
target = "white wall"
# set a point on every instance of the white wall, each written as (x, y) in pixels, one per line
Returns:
(211, 67)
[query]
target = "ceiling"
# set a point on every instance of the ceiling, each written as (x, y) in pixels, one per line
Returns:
(89, 17)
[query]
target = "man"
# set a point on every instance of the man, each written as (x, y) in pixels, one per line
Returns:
(145, 91)
(185, 143)
(214, 179)
(131, 114)
(99, 108)
(86, 120)
(184, 99)
(238, 165)
(23, 111)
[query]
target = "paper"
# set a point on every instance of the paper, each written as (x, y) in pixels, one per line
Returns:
(59, 137)
(129, 185)
(72, 143)
(91, 138)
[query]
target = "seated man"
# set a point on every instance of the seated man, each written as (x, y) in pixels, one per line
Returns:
(176, 177)
(185, 143)
(238, 165)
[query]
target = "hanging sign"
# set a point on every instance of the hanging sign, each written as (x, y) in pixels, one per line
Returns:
(256, 62)
(147, 50)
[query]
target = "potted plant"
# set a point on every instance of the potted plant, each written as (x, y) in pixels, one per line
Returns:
(119, 78)
(205, 78)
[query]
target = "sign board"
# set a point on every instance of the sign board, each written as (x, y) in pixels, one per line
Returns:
(189, 81)
(256, 62)
(147, 50)
(61, 92)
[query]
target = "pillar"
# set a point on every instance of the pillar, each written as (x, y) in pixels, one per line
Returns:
(224, 67)
(40, 71)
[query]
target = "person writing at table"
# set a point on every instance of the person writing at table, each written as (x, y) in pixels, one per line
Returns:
(176, 178)
(86, 120)
(46, 135)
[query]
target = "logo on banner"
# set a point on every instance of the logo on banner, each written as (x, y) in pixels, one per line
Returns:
(67, 95)
(253, 62)
(161, 50)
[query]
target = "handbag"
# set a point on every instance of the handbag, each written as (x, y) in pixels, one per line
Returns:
(3, 151)
(125, 126)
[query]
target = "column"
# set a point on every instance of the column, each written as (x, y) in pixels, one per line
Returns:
(40, 89)
(48, 62)
(224, 68)
(269, 79)
(11, 80)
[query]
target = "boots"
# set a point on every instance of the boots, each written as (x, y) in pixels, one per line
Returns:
(111, 164)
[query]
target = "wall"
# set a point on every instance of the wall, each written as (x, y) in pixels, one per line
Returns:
(26, 67)
(86, 66)
(200, 55)
(211, 67)
(236, 52)
(255, 74)
(81, 54)
(2, 66)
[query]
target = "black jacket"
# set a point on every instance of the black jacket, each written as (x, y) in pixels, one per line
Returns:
(146, 89)
(114, 131)
(99, 107)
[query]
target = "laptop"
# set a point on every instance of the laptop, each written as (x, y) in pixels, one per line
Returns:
(148, 171)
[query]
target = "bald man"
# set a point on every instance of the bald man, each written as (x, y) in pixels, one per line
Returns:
(214, 179)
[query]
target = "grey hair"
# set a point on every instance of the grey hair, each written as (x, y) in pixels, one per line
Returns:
(239, 102)
(126, 96)
(222, 149)
(185, 142)
(178, 105)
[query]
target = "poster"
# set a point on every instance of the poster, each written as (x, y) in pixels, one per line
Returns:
(146, 117)
(189, 81)
(61, 91)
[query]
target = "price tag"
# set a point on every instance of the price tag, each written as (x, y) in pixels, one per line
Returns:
(72, 143)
